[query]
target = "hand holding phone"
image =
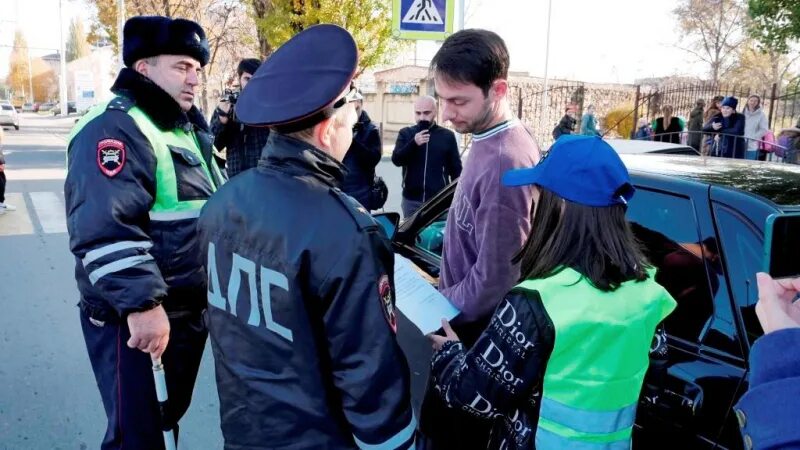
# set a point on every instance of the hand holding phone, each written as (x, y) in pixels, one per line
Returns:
(777, 308)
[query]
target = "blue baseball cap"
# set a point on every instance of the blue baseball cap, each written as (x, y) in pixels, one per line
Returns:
(303, 81)
(581, 169)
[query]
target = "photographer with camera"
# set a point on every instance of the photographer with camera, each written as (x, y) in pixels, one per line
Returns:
(243, 143)
(364, 154)
(428, 155)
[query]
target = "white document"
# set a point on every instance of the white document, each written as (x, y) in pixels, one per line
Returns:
(420, 302)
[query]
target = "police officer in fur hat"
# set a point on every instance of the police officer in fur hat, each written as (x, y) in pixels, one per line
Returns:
(301, 307)
(139, 169)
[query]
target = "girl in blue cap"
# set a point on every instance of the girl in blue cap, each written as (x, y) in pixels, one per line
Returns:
(563, 359)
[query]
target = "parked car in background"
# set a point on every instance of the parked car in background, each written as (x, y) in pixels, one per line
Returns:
(8, 115)
(28, 107)
(71, 108)
(701, 222)
(45, 107)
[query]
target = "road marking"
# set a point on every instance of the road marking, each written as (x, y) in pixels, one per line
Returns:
(50, 211)
(17, 222)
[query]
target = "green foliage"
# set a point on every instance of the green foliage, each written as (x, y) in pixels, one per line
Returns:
(18, 69)
(619, 121)
(368, 20)
(775, 23)
(77, 46)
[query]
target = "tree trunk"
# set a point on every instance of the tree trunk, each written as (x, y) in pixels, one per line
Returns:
(262, 8)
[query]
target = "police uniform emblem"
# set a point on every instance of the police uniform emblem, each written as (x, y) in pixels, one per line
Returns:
(387, 303)
(110, 156)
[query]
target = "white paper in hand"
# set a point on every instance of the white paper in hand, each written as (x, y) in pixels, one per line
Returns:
(420, 302)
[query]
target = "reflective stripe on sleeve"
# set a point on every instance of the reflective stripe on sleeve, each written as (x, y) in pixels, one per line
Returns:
(98, 253)
(393, 442)
(116, 266)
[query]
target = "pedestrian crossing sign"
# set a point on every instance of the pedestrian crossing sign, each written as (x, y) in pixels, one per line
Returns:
(422, 19)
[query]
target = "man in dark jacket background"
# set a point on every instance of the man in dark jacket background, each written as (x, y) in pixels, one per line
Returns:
(428, 155)
(567, 123)
(242, 143)
(362, 157)
(696, 124)
(730, 126)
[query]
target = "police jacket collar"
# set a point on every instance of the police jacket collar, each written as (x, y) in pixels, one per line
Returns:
(296, 157)
(159, 106)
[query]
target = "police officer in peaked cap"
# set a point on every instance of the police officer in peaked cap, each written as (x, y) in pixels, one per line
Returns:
(139, 169)
(301, 310)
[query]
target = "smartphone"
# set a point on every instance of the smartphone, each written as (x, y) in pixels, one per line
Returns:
(782, 245)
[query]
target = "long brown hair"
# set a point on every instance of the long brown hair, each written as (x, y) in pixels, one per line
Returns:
(597, 242)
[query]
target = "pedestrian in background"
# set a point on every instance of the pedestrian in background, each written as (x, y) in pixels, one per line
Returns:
(768, 412)
(361, 159)
(729, 126)
(710, 140)
(589, 123)
(3, 205)
(643, 130)
(567, 123)
(488, 222)
(668, 128)
(428, 154)
(242, 144)
(562, 363)
(696, 125)
(756, 126)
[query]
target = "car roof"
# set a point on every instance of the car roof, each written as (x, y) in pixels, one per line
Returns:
(635, 147)
(777, 182)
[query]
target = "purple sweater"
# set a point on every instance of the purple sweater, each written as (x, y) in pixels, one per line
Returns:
(488, 223)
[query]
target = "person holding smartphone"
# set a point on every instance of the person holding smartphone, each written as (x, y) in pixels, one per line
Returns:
(769, 411)
(428, 155)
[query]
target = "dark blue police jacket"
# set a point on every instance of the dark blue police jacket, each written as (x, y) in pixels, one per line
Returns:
(768, 413)
(301, 310)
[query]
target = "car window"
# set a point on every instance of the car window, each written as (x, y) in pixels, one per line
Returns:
(431, 238)
(667, 227)
(743, 247)
(7, 107)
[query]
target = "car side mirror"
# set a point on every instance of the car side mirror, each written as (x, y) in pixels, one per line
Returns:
(388, 221)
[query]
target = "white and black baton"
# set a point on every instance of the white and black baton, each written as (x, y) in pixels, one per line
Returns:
(161, 394)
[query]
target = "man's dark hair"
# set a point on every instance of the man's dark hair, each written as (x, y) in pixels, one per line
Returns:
(248, 65)
(472, 56)
(596, 242)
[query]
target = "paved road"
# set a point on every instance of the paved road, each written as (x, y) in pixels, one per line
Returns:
(48, 398)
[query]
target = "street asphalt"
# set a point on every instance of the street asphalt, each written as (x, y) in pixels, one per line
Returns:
(48, 396)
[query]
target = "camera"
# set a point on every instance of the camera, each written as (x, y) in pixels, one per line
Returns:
(230, 96)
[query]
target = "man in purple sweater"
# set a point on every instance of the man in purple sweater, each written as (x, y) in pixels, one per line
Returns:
(487, 223)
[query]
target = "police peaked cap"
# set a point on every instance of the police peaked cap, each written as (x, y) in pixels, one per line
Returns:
(300, 84)
(147, 36)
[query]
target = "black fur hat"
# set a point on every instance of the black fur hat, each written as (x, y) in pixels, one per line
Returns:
(146, 36)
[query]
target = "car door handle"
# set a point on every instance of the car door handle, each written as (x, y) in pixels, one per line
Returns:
(686, 403)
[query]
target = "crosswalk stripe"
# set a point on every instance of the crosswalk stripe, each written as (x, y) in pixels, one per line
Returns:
(17, 222)
(50, 211)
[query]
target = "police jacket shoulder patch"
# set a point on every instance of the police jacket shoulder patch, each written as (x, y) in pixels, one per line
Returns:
(361, 216)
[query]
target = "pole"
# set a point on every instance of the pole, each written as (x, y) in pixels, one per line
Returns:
(62, 82)
(546, 64)
(160, 380)
(120, 27)
(461, 11)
